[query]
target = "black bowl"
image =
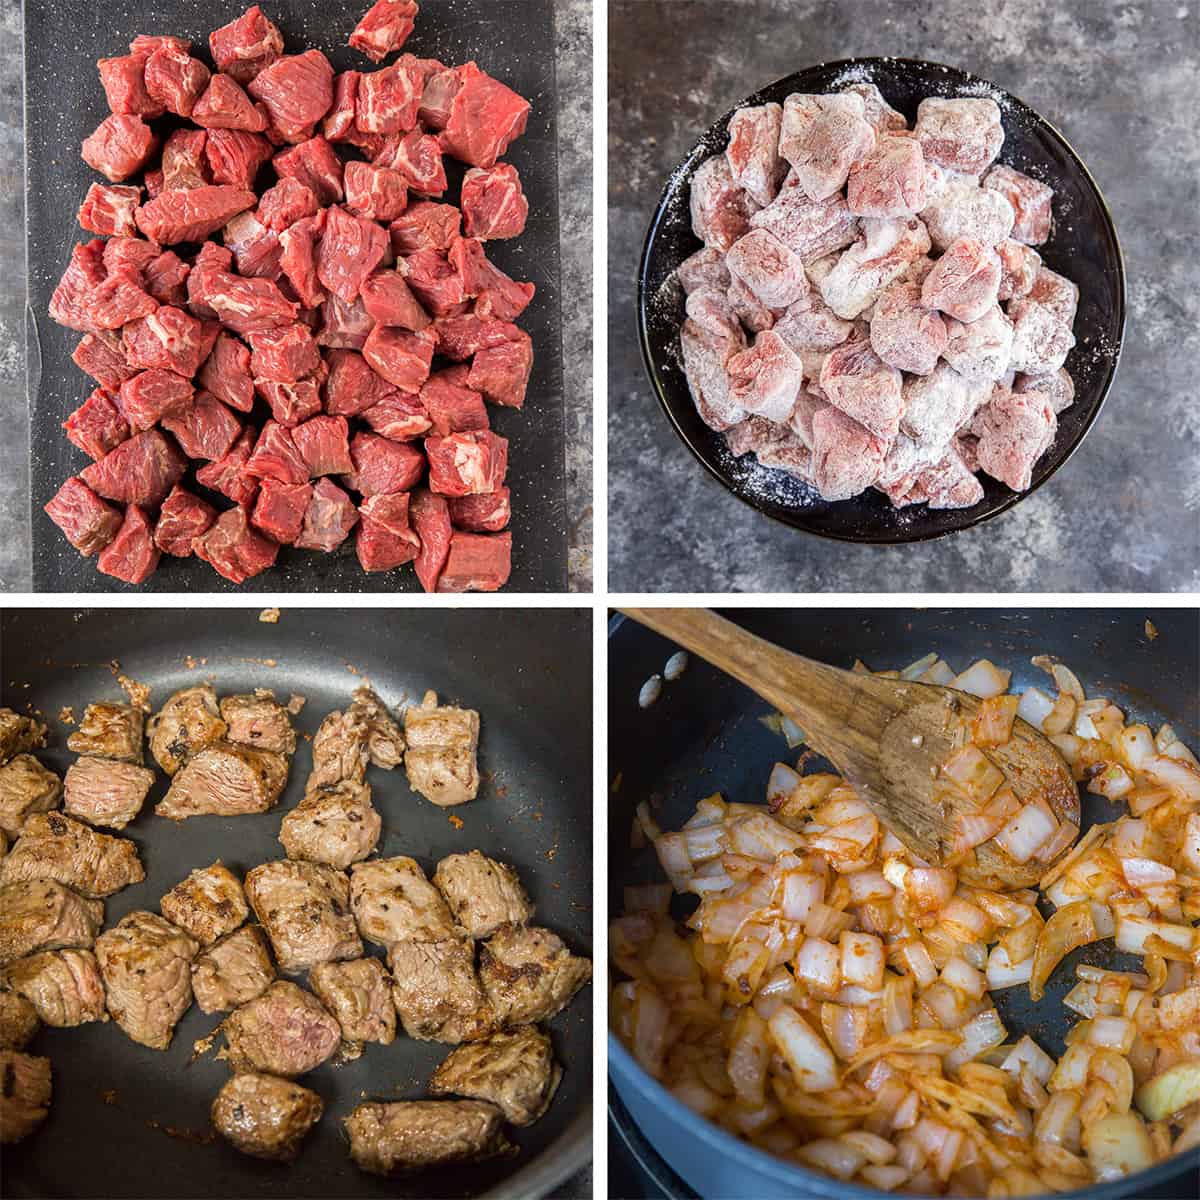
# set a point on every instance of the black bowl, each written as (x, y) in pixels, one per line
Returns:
(1083, 246)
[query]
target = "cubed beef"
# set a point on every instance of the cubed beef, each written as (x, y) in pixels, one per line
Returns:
(124, 83)
(109, 731)
(165, 278)
(226, 779)
(462, 464)
(208, 904)
(376, 193)
(477, 562)
(323, 444)
(351, 248)
(352, 386)
(483, 894)
(382, 466)
(97, 425)
(425, 225)
(436, 282)
(192, 214)
(437, 992)
(228, 475)
(286, 354)
(485, 118)
(132, 555)
(417, 1135)
(400, 357)
(487, 512)
(459, 337)
(417, 158)
(188, 721)
(297, 91)
(305, 909)
(169, 339)
(141, 470)
(26, 787)
(315, 164)
(154, 394)
(264, 1116)
(110, 210)
(430, 516)
(514, 1070)
(496, 294)
(338, 125)
(359, 995)
(233, 549)
(389, 301)
(225, 106)
(384, 28)
(286, 203)
(276, 457)
(330, 516)
(246, 45)
(182, 518)
(83, 274)
(961, 135)
(284, 1032)
(177, 81)
(529, 974)
(256, 249)
(233, 970)
(440, 89)
(344, 326)
(183, 162)
(298, 259)
(121, 298)
(100, 355)
(502, 372)
(88, 523)
(226, 373)
(103, 792)
(259, 720)
(208, 430)
(291, 403)
(246, 305)
(399, 416)
(388, 99)
(121, 146)
(280, 508)
(451, 405)
(385, 539)
(493, 204)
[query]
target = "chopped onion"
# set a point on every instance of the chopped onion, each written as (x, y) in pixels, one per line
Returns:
(1003, 973)
(1064, 677)
(1069, 928)
(1118, 1145)
(974, 772)
(917, 669)
(1034, 706)
(1179, 777)
(1137, 744)
(980, 1033)
(832, 1155)
(1026, 833)
(811, 1061)
(983, 679)
(801, 892)
(818, 963)
(1028, 1055)
(862, 960)
(993, 724)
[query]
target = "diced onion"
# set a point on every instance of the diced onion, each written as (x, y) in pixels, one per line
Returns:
(1026, 833)
(810, 1059)
(983, 679)
(1034, 706)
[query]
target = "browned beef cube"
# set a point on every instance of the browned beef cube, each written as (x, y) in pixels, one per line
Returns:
(102, 791)
(208, 904)
(18, 734)
(40, 914)
(394, 902)
(64, 986)
(416, 1134)
(305, 909)
(483, 894)
(18, 1021)
(109, 731)
(264, 1116)
(359, 994)
(516, 1071)
(385, 741)
(227, 779)
(186, 723)
(54, 846)
(25, 1097)
(437, 992)
(26, 787)
(529, 974)
(233, 970)
(340, 749)
(259, 721)
(285, 1031)
(441, 751)
(335, 824)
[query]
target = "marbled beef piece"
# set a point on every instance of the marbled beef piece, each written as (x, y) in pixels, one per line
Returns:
(285, 1031)
(493, 203)
(165, 278)
(83, 274)
(352, 386)
(383, 467)
(152, 395)
(292, 403)
(315, 164)
(225, 106)
(485, 118)
(245, 305)
(399, 416)
(430, 517)
(289, 201)
(26, 787)
(110, 731)
(385, 740)
(246, 45)
(258, 720)
(103, 792)
(88, 523)
(297, 90)
(25, 1097)
(329, 518)
(494, 293)
(256, 249)
(400, 357)
(344, 326)
(229, 477)
(141, 470)
(425, 225)
(233, 970)
(187, 723)
(390, 301)
(56, 847)
(298, 258)
(182, 518)
(483, 894)
(451, 405)
(121, 146)
(207, 431)
(334, 824)
(19, 1021)
(464, 464)
(351, 248)
(208, 904)
(279, 510)
(286, 354)
(305, 909)
(264, 1116)
(110, 210)
(384, 28)
(437, 992)
(183, 162)
(176, 80)
(192, 214)
(502, 372)
(377, 193)
(358, 993)
(388, 99)
(385, 539)
(124, 82)
(394, 902)
(100, 355)
(276, 457)
(529, 974)
(489, 512)
(515, 1071)
(338, 125)
(323, 443)
(339, 749)
(64, 986)
(227, 779)
(40, 914)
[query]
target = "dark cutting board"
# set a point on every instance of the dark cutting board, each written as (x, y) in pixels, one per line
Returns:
(512, 39)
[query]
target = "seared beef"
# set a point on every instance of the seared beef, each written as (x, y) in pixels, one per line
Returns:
(43, 915)
(208, 904)
(340, 749)
(26, 787)
(385, 741)
(394, 902)
(146, 962)
(264, 1116)
(109, 731)
(437, 993)
(102, 791)
(285, 1031)
(187, 723)
(24, 1094)
(529, 974)
(54, 846)
(18, 733)
(227, 779)
(233, 971)
(259, 721)
(359, 995)
(63, 985)
(18, 1021)
(305, 909)
(334, 824)
(483, 894)
(416, 1134)
(516, 1071)
(441, 751)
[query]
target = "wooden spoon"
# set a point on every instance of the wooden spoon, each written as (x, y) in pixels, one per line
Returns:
(886, 737)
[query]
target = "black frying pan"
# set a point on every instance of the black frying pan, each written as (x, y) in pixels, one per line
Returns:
(704, 735)
(528, 674)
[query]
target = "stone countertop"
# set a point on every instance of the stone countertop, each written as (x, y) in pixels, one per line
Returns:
(574, 68)
(1120, 80)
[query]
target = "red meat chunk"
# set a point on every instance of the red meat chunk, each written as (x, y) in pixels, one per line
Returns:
(1040, 341)
(165, 278)
(936, 406)
(477, 562)
(132, 555)
(225, 105)
(502, 372)
(417, 158)
(438, 97)
(823, 137)
(1015, 429)
(398, 416)
(904, 333)
(493, 204)
(168, 338)
(485, 118)
(208, 430)
(182, 518)
(1019, 267)
(133, 252)
(382, 466)
(124, 83)
(184, 165)
(235, 156)
(291, 403)
(812, 228)
(145, 44)
(464, 464)
(121, 146)
(350, 250)
(97, 425)
(489, 512)
(753, 151)
(328, 519)
(452, 406)
(256, 249)
(430, 516)
(461, 336)
(228, 475)
(1056, 293)
(374, 192)
(981, 350)
(385, 538)
(298, 258)
(280, 508)
(234, 549)
(384, 28)
(772, 271)
(176, 81)
(888, 181)
(1030, 199)
(389, 301)
(436, 282)
(276, 457)
(400, 357)
(84, 273)
(352, 387)
(109, 210)
(425, 225)
(286, 354)
(765, 378)
(846, 458)
(344, 326)
(960, 135)
(704, 269)
(88, 523)
(495, 294)
(315, 164)
(964, 282)
(855, 379)
(323, 444)
(119, 300)
(226, 373)
(141, 470)
(154, 394)
(192, 214)
(286, 203)
(246, 305)
(338, 125)
(721, 211)
(388, 99)
(245, 46)
(100, 356)
(297, 91)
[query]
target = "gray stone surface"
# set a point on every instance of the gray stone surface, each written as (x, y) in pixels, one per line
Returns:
(1119, 79)
(574, 69)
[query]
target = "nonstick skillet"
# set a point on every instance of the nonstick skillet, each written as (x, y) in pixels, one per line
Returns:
(704, 735)
(127, 1121)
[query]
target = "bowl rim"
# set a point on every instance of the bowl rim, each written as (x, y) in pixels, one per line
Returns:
(794, 518)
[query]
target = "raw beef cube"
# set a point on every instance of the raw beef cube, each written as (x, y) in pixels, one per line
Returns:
(1030, 200)
(813, 228)
(967, 210)
(324, 445)
(286, 354)
(399, 416)
(1057, 389)
(121, 146)
(476, 562)
(964, 282)
(328, 519)
(1056, 293)
(388, 99)
(846, 458)
(291, 403)
(132, 555)
(417, 158)
(705, 358)
(289, 201)
(430, 516)
(129, 252)
(753, 434)
(385, 538)
(721, 210)
(297, 91)
(460, 337)
(276, 457)
(153, 181)
(904, 333)
(99, 355)
(338, 125)
(176, 80)
(214, 257)
(502, 372)
(950, 484)
(1014, 431)
(789, 454)
(425, 225)
(438, 97)
(465, 464)
(280, 508)
(400, 357)
(191, 214)
(165, 278)
(856, 380)
(714, 312)
(960, 135)
(388, 300)
(495, 294)
(493, 204)
(801, 420)
(298, 259)
(886, 251)
(225, 106)
(937, 406)
(766, 378)
(124, 83)
(207, 430)
(450, 405)
(877, 112)
(145, 44)
(772, 271)
(1019, 267)
(382, 466)
(434, 281)
(350, 250)
(109, 210)
(154, 394)
(1041, 342)
(183, 160)
(97, 425)
(981, 349)
(84, 273)
(235, 156)
(246, 45)
(256, 248)
(374, 192)
(228, 475)
(226, 373)
(88, 523)
(384, 28)
(168, 338)
(182, 517)
(315, 164)
(704, 269)
(141, 470)
(119, 300)
(823, 137)
(889, 180)
(244, 305)
(487, 512)
(485, 118)
(234, 549)
(352, 387)
(753, 151)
